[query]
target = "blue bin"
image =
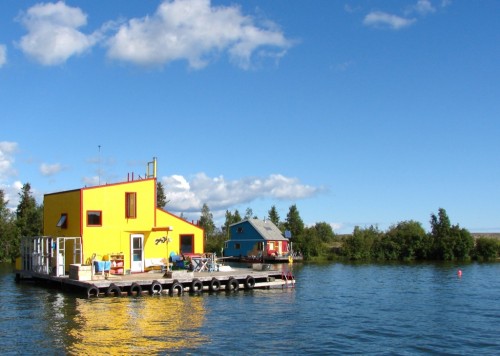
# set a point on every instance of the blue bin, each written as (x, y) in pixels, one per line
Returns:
(101, 266)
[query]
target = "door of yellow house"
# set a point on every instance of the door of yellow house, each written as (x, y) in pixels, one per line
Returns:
(137, 253)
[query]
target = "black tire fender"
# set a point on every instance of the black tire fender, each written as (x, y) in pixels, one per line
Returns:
(92, 291)
(155, 288)
(249, 282)
(232, 284)
(113, 291)
(196, 286)
(176, 288)
(214, 285)
(135, 288)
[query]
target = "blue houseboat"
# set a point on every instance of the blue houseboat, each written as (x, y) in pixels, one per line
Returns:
(257, 240)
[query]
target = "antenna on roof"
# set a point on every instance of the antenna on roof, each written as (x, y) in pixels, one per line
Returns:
(151, 169)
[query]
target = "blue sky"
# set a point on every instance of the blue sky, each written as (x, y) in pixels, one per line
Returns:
(359, 112)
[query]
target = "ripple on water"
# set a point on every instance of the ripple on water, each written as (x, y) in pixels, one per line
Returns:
(334, 309)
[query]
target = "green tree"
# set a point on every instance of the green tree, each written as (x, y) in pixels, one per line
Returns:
(237, 216)
(28, 221)
(450, 242)
(227, 223)
(314, 241)
(411, 239)
(324, 232)
(308, 243)
(8, 231)
(215, 244)
(294, 222)
(273, 215)
(248, 214)
(161, 198)
(440, 224)
(207, 221)
(230, 219)
(28, 214)
(359, 245)
(385, 248)
(463, 243)
(440, 232)
(487, 248)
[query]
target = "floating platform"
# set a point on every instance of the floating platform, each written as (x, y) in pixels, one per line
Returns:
(172, 283)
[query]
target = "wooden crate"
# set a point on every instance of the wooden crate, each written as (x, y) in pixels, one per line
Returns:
(80, 272)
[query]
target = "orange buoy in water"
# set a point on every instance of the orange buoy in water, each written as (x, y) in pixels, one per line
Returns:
(459, 273)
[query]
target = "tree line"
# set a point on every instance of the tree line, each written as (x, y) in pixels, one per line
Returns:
(404, 241)
(408, 241)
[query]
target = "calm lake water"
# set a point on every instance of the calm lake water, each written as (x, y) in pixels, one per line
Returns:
(334, 309)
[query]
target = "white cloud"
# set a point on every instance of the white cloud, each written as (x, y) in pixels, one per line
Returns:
(336, 226)
(7, 149)
(11, 194)
(382, 19)
(53, 35)
(50, 169)
(3, 55)
(195, 31)
(422, 7)
(220, 194)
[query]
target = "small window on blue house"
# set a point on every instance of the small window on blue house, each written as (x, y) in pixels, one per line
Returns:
(94, 218)
(63, 221)
(237, 246)
(240, 230)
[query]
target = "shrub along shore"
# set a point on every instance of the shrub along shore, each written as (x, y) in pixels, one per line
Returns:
(408, 241)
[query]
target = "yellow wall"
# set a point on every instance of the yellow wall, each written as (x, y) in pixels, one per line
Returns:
(180, 227)
(114, 234)
(56, 204)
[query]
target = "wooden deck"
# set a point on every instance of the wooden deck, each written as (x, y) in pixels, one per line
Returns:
(176, 283)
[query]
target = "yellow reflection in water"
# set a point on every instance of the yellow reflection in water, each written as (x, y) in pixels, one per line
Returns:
(136, 325)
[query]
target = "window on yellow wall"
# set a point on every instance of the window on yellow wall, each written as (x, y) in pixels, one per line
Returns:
(63, 221)
(131, 205)
(94, 218)
(187, 243)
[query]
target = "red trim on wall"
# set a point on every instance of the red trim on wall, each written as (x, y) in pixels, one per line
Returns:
(178, 218)
(120, 183)
(81, 213)
(155, 202)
